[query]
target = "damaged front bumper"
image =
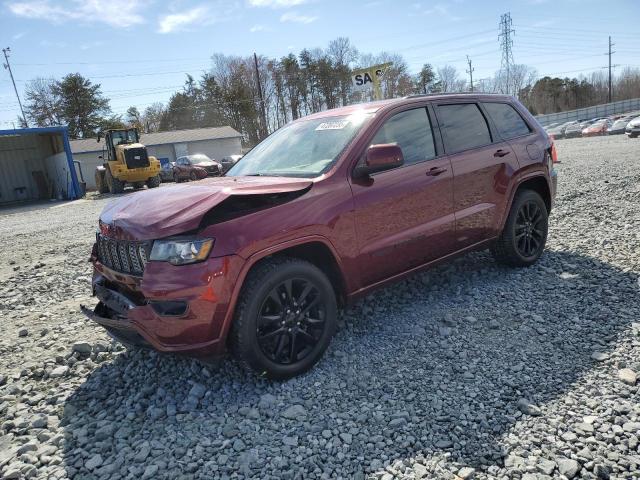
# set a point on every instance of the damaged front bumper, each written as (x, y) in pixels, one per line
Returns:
(181, 309)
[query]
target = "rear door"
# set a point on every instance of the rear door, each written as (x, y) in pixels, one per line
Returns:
(404, 216)
(482, 165)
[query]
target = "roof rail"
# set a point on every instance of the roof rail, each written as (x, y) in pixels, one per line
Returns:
(418, 95)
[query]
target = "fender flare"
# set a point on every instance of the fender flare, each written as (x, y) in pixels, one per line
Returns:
(514, 188)
(255, 257)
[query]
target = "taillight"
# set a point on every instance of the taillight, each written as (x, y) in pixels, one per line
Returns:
(554, 153)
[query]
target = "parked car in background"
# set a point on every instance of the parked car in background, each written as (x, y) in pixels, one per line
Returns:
(213, 168)
(618, 127)
(323, 211)
(166, 171)
(575, 130)
(597, 128)
(229, 161)
(185, 170)
(633, 128)
(558, 131)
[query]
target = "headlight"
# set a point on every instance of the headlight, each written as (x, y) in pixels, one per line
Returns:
(181, 251)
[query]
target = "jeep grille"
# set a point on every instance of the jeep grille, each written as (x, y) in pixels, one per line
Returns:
(123, 256)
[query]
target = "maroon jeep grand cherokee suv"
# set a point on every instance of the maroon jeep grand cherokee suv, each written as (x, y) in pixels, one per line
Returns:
(323, 211)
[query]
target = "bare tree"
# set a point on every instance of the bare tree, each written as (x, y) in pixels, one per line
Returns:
(447, 78)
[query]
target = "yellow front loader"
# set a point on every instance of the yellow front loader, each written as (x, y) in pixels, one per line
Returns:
(127, 162)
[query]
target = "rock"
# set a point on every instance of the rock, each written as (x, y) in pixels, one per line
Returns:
(82, 347)
(346, 438)
(23, 332)
(59, 371)
(94, 462)
(601, 472)
(568, 467)
(546, 466)
(526, 407)
(442, 444)
(150, 471)
(290, 441)
(267, 401)
(494, 324)
(466, 473)
(420, 471)
(628, 376)
(599, 356)
(197, 390)
(295, 412)
(40, 421)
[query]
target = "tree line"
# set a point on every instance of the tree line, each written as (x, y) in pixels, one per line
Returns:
(297, 85)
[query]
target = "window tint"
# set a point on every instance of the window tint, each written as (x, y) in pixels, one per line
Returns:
(411, 130)
(463, 126)
(508, 121)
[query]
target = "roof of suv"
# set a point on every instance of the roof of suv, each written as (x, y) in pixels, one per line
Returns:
(372, 107)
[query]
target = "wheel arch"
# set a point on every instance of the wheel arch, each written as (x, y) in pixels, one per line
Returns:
(537, 182)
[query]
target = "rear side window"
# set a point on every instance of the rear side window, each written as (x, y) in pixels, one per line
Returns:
(411, 130)
(507, 120)
(463, 126)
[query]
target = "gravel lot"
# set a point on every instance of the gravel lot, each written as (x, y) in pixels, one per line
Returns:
(469, 370)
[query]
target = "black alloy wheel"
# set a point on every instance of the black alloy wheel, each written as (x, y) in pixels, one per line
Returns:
(530, 232)
(285, 317)
(291, 321)
(524, 235)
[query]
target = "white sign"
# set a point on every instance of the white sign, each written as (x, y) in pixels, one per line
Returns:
(364, 80)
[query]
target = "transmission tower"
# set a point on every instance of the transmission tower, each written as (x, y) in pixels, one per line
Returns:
(506, 44)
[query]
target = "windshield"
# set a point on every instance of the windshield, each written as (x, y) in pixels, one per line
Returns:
(302, 149)
(123, 136)
(200, 158)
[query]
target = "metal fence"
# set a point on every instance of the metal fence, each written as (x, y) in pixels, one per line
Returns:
(603, 110)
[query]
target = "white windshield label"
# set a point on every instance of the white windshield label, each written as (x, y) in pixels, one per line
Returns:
(335, 125)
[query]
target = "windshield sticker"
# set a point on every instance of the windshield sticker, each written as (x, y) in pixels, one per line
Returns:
(335, 125)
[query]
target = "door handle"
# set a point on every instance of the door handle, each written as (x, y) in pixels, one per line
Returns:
(501, 153)
(435, 171)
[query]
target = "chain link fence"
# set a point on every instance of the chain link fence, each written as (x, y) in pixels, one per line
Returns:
(604, 110)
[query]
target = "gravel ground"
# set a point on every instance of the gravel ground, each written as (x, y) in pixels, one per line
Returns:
(469, 370)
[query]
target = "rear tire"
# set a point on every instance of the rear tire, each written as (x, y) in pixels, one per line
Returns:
(101, 183)
(193, 177)
(524, 236)
(154, 182)
(115, 185)
(285, 318)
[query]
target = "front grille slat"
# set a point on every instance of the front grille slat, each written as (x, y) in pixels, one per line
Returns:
(123, 256)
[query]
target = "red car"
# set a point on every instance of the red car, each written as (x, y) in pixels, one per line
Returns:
(325, 210)
(596, 129)
(195, 167)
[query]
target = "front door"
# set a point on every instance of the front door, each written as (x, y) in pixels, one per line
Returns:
(404, 216)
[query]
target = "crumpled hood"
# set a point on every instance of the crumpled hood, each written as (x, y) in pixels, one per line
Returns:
(176, 209)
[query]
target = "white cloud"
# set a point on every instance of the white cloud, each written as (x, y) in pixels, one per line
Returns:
(297, 18)
(19, 35)
(178, 21)
(276, 3)
(116, 13)
(439, 9)
(259, 28)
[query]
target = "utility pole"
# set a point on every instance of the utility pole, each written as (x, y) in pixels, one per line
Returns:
(470, 72)
(506, 44)
(7, 66)
(262, 109)
(610, 52)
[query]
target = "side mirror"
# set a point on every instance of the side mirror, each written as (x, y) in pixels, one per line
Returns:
(380, 157)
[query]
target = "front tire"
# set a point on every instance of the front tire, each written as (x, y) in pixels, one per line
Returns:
(193, 177)
(525, 232)
(285, 318)
(115, 185)
(154, 182)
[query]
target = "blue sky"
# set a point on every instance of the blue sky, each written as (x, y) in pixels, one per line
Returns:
(140, 50)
